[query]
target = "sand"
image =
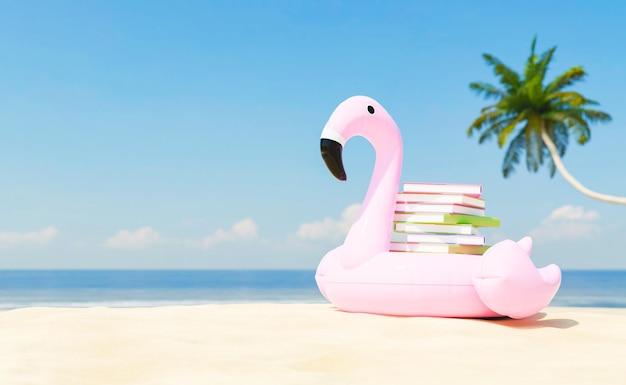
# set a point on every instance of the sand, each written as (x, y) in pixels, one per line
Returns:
(306, 344)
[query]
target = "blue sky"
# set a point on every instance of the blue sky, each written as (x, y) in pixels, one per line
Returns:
(185, 134)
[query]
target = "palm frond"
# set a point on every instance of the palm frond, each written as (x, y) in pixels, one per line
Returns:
(579, 127)
(534, 75)
(495, 129)
(595, 116)
(573, 99)
(533, 88)
(504, 133)
(551, 164)
(566, 79)
(544, 62)
(531, 62)
(489, 108)
(561, 138)
(508, 77)
(513, 154)
(555, 116)
(533, 44)
(534, 144)
(488, 118)
(487, 90)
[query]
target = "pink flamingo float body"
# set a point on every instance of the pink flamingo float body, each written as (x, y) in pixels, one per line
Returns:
(362, 275)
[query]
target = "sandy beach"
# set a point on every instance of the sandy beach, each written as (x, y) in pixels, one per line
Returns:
(306, 344)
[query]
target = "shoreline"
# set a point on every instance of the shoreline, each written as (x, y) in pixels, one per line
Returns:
(272, 343)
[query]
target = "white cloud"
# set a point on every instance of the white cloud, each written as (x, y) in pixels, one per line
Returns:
(329, 228)
(38, 237)
(568, 222)
(126, 239)
(244, 230)
(573, 213)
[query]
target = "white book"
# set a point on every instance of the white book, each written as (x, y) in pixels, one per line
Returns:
(404, 227)
(438, 208)
(465, 200)
(437, 248)
(443, 188)
(478, 240)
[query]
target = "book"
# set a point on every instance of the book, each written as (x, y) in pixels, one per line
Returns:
(443, 218)
(404, 227)
(438, 248)
(438, 208)
(465, 200)
(443, 188)
(477, 240)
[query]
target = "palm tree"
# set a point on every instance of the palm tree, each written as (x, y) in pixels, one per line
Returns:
(540, 118)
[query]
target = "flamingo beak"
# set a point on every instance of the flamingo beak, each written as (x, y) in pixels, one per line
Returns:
(331, 153)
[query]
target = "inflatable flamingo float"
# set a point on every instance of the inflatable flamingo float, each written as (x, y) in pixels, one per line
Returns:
(362, 275)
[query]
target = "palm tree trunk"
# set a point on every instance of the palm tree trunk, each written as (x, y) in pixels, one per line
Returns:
(568, 177)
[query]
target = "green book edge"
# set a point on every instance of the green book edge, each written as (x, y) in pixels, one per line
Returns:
(461, 219)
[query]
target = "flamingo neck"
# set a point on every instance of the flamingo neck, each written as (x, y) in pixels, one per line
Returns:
(371, 232)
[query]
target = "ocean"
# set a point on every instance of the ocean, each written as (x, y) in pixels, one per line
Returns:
(144, 288)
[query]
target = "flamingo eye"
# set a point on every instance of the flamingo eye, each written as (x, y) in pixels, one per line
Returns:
(370, 109)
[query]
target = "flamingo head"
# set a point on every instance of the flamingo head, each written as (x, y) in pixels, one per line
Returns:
(356, 116)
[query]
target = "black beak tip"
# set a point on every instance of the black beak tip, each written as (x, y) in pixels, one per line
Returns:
(331, 153)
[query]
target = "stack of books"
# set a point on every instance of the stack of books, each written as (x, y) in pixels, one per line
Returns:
(440, 218)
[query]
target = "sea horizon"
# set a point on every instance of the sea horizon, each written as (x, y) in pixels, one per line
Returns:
(182, 287)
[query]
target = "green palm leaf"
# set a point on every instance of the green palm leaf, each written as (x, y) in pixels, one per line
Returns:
(511, 124)
(486, 119)
(569, 99)
(487, 90)
(513, 154)
(566, 79)
(509, 78)
(534, 145)
(495, 129)
(595, 116)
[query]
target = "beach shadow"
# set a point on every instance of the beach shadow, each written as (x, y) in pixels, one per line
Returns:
(535, 322)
